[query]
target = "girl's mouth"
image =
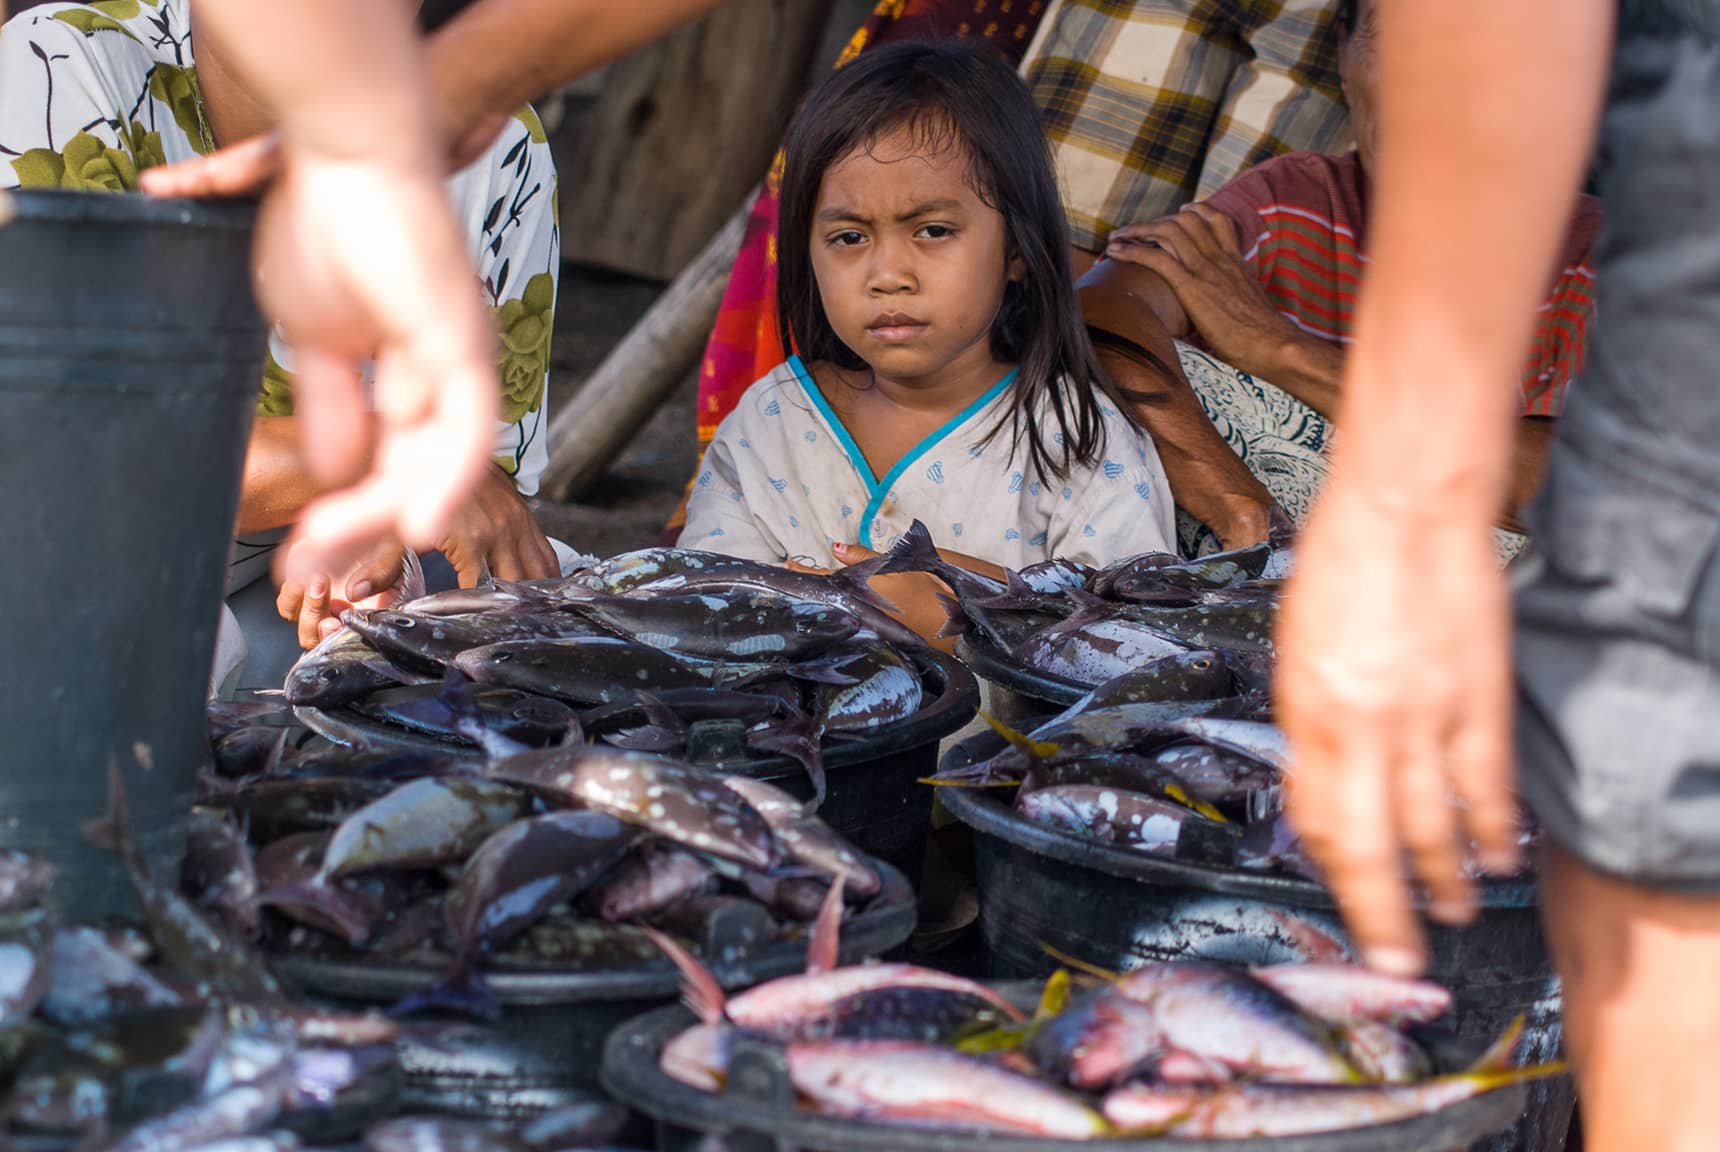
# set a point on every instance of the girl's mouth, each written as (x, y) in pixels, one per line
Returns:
(894, 327)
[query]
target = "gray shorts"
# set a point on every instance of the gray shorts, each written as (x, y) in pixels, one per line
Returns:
(1618, 603)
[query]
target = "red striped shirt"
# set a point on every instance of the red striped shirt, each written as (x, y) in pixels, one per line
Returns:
(1301, 221)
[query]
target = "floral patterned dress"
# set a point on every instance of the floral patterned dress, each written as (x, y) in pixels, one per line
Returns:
(92, 94)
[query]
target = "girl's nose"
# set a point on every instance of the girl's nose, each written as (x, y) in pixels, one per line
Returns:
(892, 270)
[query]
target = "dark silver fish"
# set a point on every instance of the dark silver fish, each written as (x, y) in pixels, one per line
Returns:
(218, 872)
(423, 824)
(584, 1125)
(1221, 776)
(368, 735)
(1140, 577)
(672, 570)
(247, 752)
(271, 809)
(322, 1076)
(723, 929)
(886, 689)
(564, 943)
(24, 879)
(805, 839)
(1109, 815)
(92, 980)
(518, 716)
(676, 801)
(188, 942)
(510, 882)
(227, 716)
(584, 670)
(1197, 675)
(438, 1134)
(1096, 1041)
(432, 643)
(1097, 644)
(26, 963)
(1127, 728)
(745, 623)
(651, 878)
(341, 669)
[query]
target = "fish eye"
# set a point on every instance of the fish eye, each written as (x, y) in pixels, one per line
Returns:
(1202, 664)
(502, 657)
(328, 675)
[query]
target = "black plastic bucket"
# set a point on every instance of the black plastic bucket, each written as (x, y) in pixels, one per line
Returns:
(1119, 909)
(1015, 694)
(131, 352)
(545, 1049)
(756, 1112)
(874, 797)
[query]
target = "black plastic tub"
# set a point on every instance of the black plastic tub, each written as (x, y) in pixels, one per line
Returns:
(1118, 909)
(131, 353)
(1016, 694)
(756, 1112)
(545, 1049)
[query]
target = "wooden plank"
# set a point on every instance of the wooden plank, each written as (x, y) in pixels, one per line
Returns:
(680, 133)
(600, 421)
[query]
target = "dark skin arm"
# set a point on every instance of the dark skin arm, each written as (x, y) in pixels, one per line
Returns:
(277, 486)
(1189, 272)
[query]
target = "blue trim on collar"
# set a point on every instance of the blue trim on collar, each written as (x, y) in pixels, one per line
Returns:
(837, 429)
(882, 489)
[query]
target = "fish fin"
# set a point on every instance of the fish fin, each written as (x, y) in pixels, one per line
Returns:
(825, 939)
(1488, 1081)
(966, 782)
(800, 739)
(464, 990)
(1037, 750)
(1054, 998)
(268, 691)
(956, 621)
(914, 552)
(998, 1038)
(328, 901)
(1315, 943)
(389, 670)
(1086, 601)
(526, 592)
(822, 670)
(1079, 964)
(856, 576)
(1502, 1053)
(700, 992)
(459, 694)
(1180, 794)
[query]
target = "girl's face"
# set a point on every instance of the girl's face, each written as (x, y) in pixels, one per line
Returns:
(911, 264)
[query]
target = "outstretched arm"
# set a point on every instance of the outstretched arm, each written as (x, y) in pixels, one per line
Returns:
(1393, 677)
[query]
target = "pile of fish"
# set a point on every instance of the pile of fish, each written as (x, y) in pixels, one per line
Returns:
(1181, 1049)
(169, 1038)
(542, 858)
(1083, 626)
(633, 651)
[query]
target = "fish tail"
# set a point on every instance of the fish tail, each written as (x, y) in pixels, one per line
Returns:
(1054, 998)
(823, 670)
(328, 901)
(801, 739)
(856, 579)
(824, 941)
(1078, 964)
(464, 989)
(1037, 750)
(460, 697)
(914, 552)
(1501, 1078)
(1502, 1053)
(700, 991)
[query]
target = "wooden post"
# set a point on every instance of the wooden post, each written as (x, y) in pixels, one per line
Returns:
(595, 427)
(680, 132)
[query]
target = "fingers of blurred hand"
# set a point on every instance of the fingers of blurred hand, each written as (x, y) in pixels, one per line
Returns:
(291, 595)
(436, 462)
(313, 610)
(239, 170)
(338, 530)
(329, 627)
(376, 573)
(1427, 820)
(541, 561)
(1480, 767)
(328, 398)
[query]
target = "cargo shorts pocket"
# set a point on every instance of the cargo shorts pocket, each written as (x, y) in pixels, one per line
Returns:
(1640, 557)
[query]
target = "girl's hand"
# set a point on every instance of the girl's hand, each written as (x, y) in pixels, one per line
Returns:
(315, 602)
(915, 595)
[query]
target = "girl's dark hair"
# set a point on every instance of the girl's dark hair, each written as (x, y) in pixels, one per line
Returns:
(954, 94)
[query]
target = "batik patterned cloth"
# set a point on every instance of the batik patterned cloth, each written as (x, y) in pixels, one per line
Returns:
(1149, 104)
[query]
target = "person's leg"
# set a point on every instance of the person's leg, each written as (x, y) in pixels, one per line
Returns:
(1641, 974)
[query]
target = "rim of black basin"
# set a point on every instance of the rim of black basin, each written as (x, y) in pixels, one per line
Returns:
(992, 663)
(868, 933)
(60, 206)
(982, 810)
(632, 1074)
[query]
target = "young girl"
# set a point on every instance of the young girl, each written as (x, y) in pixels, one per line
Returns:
(944, 373)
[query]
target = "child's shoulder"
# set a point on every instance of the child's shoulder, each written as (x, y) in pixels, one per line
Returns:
(776, 398)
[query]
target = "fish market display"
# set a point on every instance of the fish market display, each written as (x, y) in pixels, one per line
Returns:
(1182, 1049)
(560, 858)
(1172, 750)
(634, 652)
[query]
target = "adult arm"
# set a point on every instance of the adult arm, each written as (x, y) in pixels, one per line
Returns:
(359, 258)
(1393, 677)
(1207, 479)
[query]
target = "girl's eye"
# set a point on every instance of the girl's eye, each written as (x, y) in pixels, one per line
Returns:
(845, 239)
(937, 231)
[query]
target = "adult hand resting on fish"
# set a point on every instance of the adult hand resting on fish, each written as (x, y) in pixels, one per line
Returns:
(1394, 681)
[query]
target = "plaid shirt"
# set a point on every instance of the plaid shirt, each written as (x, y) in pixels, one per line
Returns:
(1148, 104)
